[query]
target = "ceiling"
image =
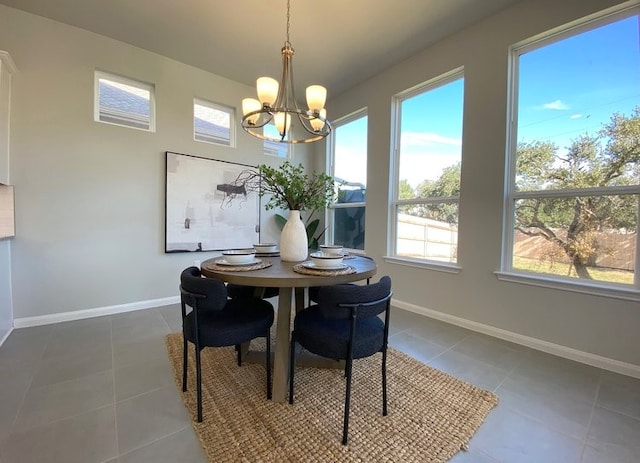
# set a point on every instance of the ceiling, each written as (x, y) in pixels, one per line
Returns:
(338, 43)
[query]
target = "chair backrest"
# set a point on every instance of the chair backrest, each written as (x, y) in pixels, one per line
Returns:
(213, 292)
(330, 298)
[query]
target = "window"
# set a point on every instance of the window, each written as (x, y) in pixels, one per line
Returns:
(123, 101)
(275, 148)
(212, 123)
(574, 176)
(428, 158)
(348, 165)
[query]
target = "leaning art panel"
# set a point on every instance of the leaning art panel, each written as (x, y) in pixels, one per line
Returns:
(207, 207)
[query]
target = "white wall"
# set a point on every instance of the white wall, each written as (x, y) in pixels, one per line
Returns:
(90, 196)
(590, 324)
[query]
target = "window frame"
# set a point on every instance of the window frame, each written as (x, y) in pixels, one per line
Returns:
(394, 177)
(330, 163)
(512, 195)
(142, 85)
(231, 111)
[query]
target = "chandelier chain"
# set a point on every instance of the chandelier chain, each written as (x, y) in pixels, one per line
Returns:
(288, 19)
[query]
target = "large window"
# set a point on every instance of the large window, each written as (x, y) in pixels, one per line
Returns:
(123, 101)
(572, 209)
(212, 123)
(428, 157)
(348, 165)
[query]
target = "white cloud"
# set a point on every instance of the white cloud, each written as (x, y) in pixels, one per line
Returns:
(556, 105)
(575, 116)
(425, 138)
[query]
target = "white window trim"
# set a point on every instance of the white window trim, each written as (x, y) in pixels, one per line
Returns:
(98, 74)
(330, 163)
(220, 107)
(394, 173)
(507, 273)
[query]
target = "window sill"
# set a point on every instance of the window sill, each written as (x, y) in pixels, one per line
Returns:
(612, 291)
(426, 264)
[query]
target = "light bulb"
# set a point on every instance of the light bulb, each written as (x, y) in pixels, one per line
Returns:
(282, 122)
(318, 124)
(316, 96)
(249, 105)
(267, 90)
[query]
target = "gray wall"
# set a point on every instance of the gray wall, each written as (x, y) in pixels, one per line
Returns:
(90, 196)
(591, 324)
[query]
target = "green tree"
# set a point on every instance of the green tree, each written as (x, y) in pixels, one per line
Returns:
(447, 185)
(405, 190)
(610, 158)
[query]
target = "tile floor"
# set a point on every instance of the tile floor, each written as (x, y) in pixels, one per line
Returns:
(102, 390)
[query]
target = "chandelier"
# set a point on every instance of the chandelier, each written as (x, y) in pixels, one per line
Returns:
(277, 104)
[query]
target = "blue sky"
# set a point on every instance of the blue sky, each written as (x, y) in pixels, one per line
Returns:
(567, 88)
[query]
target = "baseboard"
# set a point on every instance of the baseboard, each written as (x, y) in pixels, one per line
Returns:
(599, 361)
(90, 313)
(4, 337)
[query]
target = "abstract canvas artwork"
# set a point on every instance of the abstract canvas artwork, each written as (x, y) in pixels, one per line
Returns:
(207, 205)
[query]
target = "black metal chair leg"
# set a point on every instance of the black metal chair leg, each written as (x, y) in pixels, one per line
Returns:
(239, 351)
(199, 384)
(185, 356)
(292, 366)
(268, 349)
(347, 403)
(384, 382)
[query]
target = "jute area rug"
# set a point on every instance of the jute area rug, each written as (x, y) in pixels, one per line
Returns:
(431, 416)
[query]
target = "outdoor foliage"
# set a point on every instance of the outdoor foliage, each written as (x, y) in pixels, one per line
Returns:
(609, 158)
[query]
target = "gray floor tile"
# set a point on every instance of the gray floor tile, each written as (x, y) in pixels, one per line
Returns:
(86, 438)
(620, 394)
(615, 434)
(602, 455)
(70, 337)
(138, 352)
(416, 347)
(149, 417)
(46, 404)
(512, 438)
(144, 377)
(90, 360)
(12, 392)
(172, 316)
(131, 329)
(470, 369)
(557, 409)
(578, 379)
(489, 350)
(432, 330)
(182, 447)
(472, 456)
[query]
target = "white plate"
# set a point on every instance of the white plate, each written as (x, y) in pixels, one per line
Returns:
(313, 266)
(224, 262)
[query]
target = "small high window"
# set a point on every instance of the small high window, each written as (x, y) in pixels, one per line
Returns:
(123, 101)
(212, 123)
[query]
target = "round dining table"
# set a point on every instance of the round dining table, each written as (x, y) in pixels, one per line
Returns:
(281, 275)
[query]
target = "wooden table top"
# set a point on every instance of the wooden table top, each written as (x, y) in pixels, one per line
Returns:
(280, 274)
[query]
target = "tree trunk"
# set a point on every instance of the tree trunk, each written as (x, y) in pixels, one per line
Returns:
(581, 269)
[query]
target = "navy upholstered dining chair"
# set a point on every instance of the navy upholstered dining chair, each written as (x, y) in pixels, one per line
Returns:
(345, 325)
(216, 321)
